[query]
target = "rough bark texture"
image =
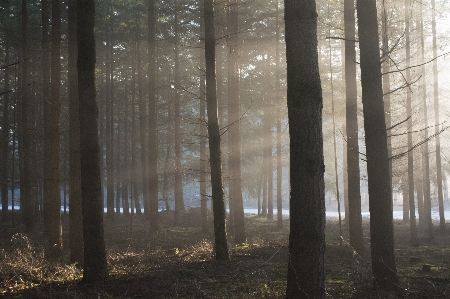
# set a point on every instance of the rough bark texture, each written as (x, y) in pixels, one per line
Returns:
(220, 237)
(152, 122)
(380, 194)
(75, 215)
(95, 267)
(306, 277)
(353, 172)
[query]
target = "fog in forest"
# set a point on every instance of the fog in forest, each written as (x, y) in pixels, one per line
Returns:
(154, 128)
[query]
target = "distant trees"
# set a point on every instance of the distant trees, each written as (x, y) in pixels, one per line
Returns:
(306, 277)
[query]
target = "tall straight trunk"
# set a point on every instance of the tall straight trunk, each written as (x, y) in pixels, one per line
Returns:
(52, 108)
(344, 146)
(380, 193)
(386, 78)
(264, 181)
(425, 149)
(336, 172)
(126, 180)
(220, 237)
(179, 201)
(277, 97)
(142, 132)
(109, 132)
(234, 133)
(95, 266)
(75, 215)
(405, 195)
(5, 128)
(203, 155)
(305, 278)
(412, 210)
(152, 121)
(436, 119)
(134, 161)
(27, 201)
(353, 171)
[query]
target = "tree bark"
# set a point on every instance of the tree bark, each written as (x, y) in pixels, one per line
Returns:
(220, 237)
(380, 193)
(277, 97)
(95, 266)
(306, 277)
(75, 215)
(152, 124)
(353, 171)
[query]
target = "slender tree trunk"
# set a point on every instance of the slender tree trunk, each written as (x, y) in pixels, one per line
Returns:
(425, 149)
(75, 215)
(152, 124)
(203, 154)
(5, 127)
(380, 193)
(277, 97)
(436, 120)
(353, 171)
(305, 277)
(179, 201)
(95, 266)
(412, 210)
(234, 133)
(27, 201)
(220, 237)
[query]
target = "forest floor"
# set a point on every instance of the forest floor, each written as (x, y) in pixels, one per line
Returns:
(178, 263)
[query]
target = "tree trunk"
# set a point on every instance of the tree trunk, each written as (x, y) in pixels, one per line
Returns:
(5, 127)
(27, 201)
(305, 277)
(75, 215)
(436, 120)
(234, 132)
(95, 266)
(220, 237)
(152, 123)
(179, 201)
(380, 193)
(277, 97)
(412, 209)
(353, 171)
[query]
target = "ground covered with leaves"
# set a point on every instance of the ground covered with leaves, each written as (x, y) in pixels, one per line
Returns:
(178, 263)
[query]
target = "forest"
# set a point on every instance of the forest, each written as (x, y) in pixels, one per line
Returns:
(224, 149)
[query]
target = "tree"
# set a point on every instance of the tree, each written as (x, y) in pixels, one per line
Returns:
(380, 194)
(75, 215)
(152, 125)
(279, 153)
(52, 111)
(353, 172)
(436, 120)
(234, 133)
(220, 237)
(306, 277)
(95, 267)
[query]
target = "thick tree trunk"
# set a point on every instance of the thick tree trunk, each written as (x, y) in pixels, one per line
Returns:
(380, 193)
(109, 132)
(220, 237)
(152, 121)
(306, 277)
(95, 266)
(353, 171)
(75, 215)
